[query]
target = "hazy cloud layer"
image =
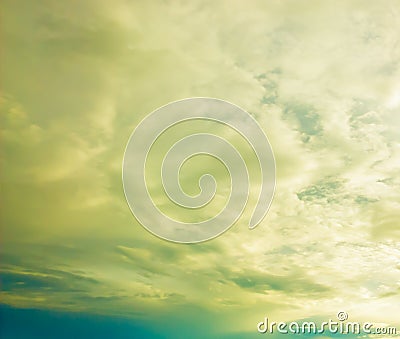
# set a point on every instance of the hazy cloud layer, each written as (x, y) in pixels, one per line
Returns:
(322, 78)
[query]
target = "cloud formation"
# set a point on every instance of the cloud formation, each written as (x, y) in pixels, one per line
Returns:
(321, 78)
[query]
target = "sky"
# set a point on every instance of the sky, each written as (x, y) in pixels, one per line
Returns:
(322, 78)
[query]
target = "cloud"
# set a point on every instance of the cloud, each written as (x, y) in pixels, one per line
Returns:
(320, 78)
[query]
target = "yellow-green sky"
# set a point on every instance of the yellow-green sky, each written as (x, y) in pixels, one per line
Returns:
(321, 77)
